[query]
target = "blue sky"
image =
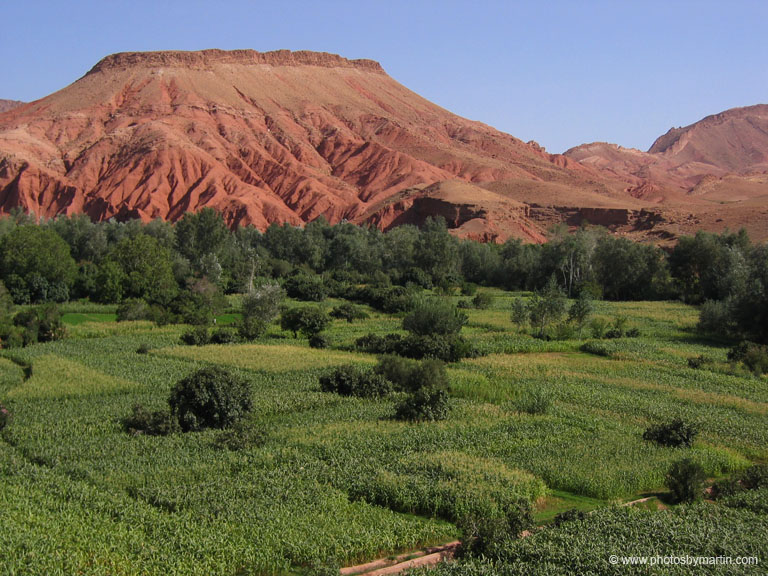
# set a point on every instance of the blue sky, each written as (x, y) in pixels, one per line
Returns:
(558, 72)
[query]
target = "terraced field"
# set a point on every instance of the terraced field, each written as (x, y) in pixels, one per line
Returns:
(336, 480)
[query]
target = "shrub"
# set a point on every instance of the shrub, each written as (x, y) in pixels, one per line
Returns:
(142, 349)
(308, 287)
(260, 308)
(426, 404)
(307, 320)
(152, 423)
(753, 356)
(224, 336)
(598, 327)
(686, 480)
(5, 416)
(375, 344)
(397, 370)
(427, 384)
(572, 515)
(699, 361)
(753, 478)
(448, 348)
(243, 435)
(490, 537)
(40, 324)
(520, 313)
(210, 398)
(319, 341)
(349, 312)
(351, 380)
(434, 316)
(197, 336)
(535, 401)
(717, 317)
(132, 309)
(674, 434)
(482, 301)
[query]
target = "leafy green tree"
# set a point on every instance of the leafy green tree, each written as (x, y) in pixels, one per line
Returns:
(34, 260)
(436, 251)
(147, 269)
(260, 308)
(580, 311)
(434, 316)
(686, 479)
(212, 397)
(200, 233)
(520, 314)
(307, 320)
(547, 307)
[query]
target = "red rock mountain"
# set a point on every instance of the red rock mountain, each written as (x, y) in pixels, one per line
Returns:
(716, 168)
(292, 136)
(6, 105)
(262, 137)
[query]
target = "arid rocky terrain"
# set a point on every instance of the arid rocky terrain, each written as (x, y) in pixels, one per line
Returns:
(291, 136)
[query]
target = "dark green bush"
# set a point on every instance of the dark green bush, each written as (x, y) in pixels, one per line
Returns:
(307, 320)
(753, 356)
(132, 309)
(448, 348)
(40, 324)
(572, 515)
(426, 404)
(224, 336)
(375, 344)
(243, 435)
(753, 478)
(490, 537)
(319, 341)
(434, 316)
(308, 287)
(397, 370)
(197, 336)
(210, 398)
(674, 434)
(427, 384)
(351, 380)
(686, 480)
(151, 423)
(699, 361)
(5, 416)
(349, 312)
(482, 301)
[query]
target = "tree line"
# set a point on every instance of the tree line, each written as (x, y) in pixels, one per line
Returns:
(175, 266)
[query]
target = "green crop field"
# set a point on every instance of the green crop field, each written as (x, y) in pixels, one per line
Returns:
(336, 480)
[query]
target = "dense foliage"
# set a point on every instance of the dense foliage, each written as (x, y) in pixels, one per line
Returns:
(210, 398)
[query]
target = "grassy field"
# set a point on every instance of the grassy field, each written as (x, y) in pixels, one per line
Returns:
(337, 480)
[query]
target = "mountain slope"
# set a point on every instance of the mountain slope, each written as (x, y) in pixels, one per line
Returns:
(6, 105)
(262, 137)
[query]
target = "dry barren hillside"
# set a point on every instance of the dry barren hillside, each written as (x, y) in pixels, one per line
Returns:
(262, 137)
(292, 136)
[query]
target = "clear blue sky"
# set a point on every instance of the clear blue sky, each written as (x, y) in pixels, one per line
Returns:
(558, 72)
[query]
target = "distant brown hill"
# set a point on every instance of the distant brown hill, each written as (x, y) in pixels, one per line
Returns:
(715, 169)
(292, 136)
(262, 137)
(6, 105)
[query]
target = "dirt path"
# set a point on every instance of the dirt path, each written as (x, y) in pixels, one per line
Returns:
(398, 564)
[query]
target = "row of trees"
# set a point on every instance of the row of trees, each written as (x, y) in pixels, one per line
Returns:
(72, 257)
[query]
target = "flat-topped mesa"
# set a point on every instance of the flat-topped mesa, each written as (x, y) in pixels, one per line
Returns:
(203, 59)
